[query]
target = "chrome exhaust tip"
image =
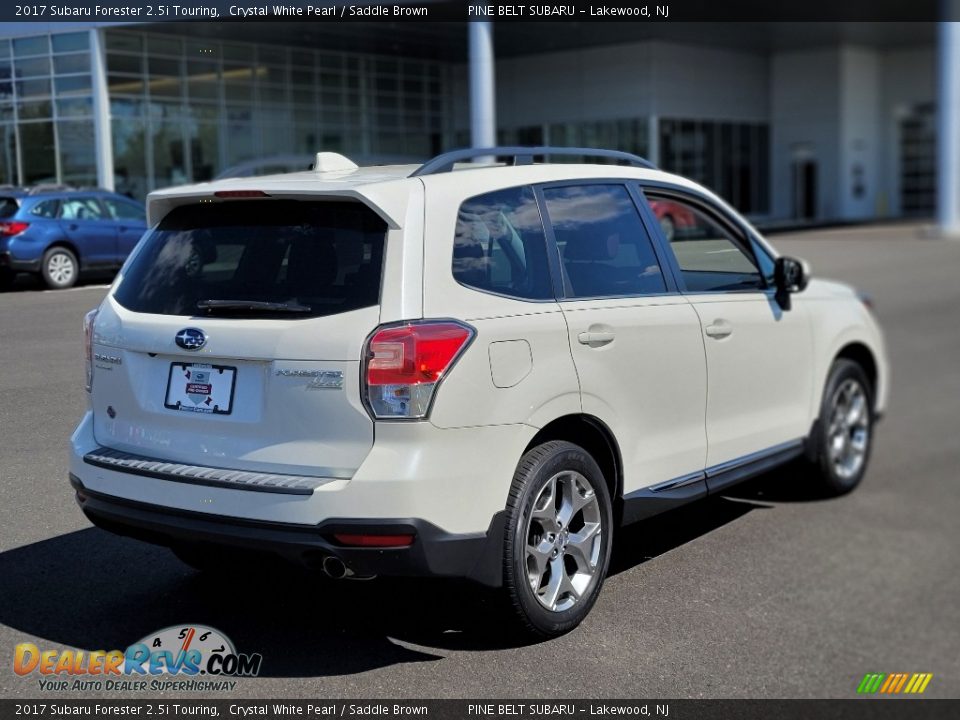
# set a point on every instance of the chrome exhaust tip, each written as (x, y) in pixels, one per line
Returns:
(333, 567)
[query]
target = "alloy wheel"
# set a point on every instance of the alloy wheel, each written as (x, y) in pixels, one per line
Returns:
(848, 435)
(563, 541)
(60, 268)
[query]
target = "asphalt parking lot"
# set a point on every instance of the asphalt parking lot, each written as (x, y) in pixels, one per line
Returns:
(767, 592)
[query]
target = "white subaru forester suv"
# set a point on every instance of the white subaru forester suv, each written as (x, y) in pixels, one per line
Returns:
(461, 370)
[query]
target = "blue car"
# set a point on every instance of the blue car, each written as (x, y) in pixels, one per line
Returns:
(58, 234)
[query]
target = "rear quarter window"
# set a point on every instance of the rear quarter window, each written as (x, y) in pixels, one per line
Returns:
(46, 209)
(499, 245)
(318, 258)
(8, 207)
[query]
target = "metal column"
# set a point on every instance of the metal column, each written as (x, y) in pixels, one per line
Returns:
(102, 141)
(653, 139)
(948, 130)
(483, 110)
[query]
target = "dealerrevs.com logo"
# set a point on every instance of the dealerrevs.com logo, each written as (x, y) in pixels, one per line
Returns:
(181, 657)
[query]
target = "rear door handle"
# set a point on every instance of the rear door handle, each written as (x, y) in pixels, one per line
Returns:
(719, 329)
(596, 339)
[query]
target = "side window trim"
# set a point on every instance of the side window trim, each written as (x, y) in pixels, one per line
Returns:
(668, 264)
(743, 236)
(561, 282)
(759, 249)
(105, 213)
(558, 278)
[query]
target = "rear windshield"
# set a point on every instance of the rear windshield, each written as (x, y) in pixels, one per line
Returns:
(274, 258)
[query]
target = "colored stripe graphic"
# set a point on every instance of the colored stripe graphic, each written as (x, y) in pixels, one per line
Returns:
(903, 679)
(894, 683)
(870, 683)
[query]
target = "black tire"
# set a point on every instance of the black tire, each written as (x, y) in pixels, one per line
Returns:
(575, 469)
(832, 436)
(59, 268)
(7, 276)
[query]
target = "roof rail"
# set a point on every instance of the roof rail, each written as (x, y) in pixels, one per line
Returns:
(523, 156)
(42, 188)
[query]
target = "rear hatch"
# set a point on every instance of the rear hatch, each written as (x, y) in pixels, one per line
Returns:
(234, 338)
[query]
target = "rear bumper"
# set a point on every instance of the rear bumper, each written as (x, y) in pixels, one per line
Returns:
(433, 553)
(8, 261)
(454, 479)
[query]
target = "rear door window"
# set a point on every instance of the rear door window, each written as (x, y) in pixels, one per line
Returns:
(273, 258)
(604, 245)
(80, 209)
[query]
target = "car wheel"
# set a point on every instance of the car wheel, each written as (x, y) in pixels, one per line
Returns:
(844, 433)
(7, 276)
(667, 227)
(59, 268)
(557, 539)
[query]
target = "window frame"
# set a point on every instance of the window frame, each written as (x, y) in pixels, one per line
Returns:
(740, 232)
(561, 282)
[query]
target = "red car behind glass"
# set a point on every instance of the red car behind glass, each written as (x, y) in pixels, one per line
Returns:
(672, 217)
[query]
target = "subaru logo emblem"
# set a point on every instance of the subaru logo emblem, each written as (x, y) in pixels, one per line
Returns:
(191, 339)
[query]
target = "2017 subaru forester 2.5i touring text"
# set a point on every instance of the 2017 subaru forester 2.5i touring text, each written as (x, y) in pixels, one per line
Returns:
(459, 370)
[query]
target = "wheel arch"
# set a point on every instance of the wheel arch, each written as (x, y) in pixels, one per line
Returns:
(594, 436)
(67, 245)
(862, 355)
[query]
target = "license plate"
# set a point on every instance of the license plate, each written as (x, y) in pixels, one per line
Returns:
(200, 388)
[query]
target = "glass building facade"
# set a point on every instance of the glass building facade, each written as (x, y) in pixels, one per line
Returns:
(184, 109)
(142, 107)
(730, 158)
(46, 110)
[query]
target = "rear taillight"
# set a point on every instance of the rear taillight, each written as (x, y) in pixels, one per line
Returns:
(12, 227)
(88, 321)
(405, 363)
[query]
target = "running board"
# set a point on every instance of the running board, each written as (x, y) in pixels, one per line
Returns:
(730, 473)
(664, 496)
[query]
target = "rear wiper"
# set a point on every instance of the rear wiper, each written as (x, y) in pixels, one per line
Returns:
(259, 305)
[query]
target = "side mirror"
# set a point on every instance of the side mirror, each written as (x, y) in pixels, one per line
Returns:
(790, 275)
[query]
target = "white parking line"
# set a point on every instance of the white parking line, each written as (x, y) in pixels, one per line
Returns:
(75, 289)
